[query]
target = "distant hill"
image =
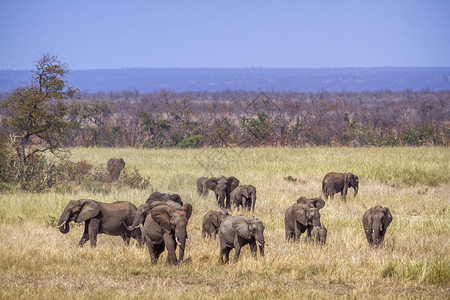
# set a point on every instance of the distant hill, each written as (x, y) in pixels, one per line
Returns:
(247, 79)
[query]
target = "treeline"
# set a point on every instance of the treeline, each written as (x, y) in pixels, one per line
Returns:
(239, 118)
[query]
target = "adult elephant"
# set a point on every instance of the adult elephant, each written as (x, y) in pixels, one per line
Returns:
(222, 187)
(375, 222)
(298, 218)
(245, 196)
(164, 227)
(235, 232)
(100, 217)
(334, 183)
(202, 189)
(315, 202)
(163, 197)
(114, 167)
(211, 222)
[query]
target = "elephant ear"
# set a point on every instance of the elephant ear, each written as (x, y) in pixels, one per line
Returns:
(299, 211)
(319, 203)
(241, 226)
(211, 183)
(232, 182)
(89, 210)
(244, 191)
(187, 208)
(388, 215)
(301, 200)
(161, 215)
(367, 218)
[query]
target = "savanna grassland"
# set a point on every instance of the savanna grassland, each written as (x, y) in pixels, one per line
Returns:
(37, 261)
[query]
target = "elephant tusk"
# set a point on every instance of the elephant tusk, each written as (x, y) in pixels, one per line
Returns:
(189, 240)
(176, 240)
(62, 224)
(259, 244)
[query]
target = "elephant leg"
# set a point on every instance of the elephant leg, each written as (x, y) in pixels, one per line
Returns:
(85, 236)
(169, 241)
(309, 232)
(225, 254)
(94, 226)
(237, 249)
(227, 201)
(153, 255)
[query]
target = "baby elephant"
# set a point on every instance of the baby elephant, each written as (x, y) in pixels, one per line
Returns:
(211, 222)
(375, 222)
(319, 235)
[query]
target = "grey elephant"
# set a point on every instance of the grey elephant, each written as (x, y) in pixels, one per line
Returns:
(334, 183)
(211, 222)
(244, 196)
(315, 202)
(298, 218)
(164, 227)
(235, 232)
(114, 167)
(319, 235)
(375, 222)
(157, 196)
(100, 217)
(222, 187)
(202, 189)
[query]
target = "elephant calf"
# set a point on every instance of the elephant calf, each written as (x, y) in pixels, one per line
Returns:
(375, 222)
(202, 189)
(235, 232)
(245, 196)
(222, 187)
(319, 235)
(211, 222)
(100, 217)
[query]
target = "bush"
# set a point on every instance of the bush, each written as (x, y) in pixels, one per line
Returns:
(134, 179)
(191, 142)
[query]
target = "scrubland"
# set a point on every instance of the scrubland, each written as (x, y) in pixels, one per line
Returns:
(37, 261)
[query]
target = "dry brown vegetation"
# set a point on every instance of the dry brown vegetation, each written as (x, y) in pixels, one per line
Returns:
(37, 261)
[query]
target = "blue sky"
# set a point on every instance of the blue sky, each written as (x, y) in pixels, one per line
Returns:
(295, 34)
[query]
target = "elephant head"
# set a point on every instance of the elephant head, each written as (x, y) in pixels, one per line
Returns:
(114, 167)
(174, 222)
(351, 180)
(248, 228)
(306, 215)
(314, 202)
(222, 187)
(375, 221)
(145, 209)
(78, 211)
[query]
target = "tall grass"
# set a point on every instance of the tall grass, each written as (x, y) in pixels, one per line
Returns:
(37, 261)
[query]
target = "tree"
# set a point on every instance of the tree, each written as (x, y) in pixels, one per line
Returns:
(36, 120)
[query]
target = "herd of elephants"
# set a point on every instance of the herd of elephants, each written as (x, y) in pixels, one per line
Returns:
(161, 222)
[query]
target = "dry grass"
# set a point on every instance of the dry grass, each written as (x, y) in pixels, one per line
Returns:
(37, 261)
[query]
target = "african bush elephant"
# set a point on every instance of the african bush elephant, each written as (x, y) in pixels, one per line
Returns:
(222, 187)
(298, 218)
(334, 183)
(211, 222)
(100, 217)
(319, 235)
(157, 196)
(202, 189)
(315, 202)
(114, 167)
(235, 232)
(164, 227)
(375, 222)
(245, 196)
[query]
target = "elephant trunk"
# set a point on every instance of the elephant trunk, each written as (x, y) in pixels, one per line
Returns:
(63, 223)
(138, 219)
(377, 233)
(356, 190)
(180, 239)
(221, 200)
(316, 222)
(261, 243)
(253, 200)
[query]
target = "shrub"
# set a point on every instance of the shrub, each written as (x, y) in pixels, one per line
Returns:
(191, 142)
